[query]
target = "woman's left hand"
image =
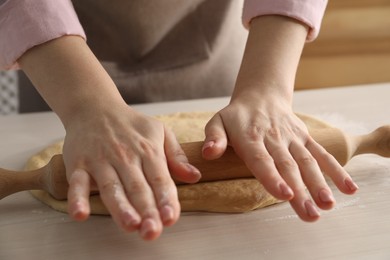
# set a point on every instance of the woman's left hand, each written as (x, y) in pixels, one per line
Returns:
(276, 146)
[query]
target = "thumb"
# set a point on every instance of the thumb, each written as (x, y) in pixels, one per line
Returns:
(216, 141)
(179, 167)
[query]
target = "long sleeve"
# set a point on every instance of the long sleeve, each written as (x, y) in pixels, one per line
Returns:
(309, 12)
(27, 23)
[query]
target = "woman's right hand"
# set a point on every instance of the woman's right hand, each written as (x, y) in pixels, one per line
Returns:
(128, 157)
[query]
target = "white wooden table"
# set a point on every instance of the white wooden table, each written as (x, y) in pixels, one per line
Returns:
(358, 228)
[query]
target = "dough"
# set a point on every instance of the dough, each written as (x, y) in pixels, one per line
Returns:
(239, 195)
(230, 196)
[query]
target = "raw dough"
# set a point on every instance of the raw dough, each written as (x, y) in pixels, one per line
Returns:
(238, 195)
(230, 196)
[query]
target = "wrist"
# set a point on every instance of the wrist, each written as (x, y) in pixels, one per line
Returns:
(271, 58)
(70, 78)
(270, 96)
(92, 115)
(262, 88)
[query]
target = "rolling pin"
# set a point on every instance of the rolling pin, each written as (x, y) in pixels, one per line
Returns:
(52, 178)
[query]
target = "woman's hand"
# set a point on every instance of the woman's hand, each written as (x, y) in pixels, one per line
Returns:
(276, 147)
(128, 157)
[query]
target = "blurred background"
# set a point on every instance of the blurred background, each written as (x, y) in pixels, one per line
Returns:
(353, 48)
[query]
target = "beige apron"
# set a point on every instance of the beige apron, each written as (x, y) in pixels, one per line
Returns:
(166, 49)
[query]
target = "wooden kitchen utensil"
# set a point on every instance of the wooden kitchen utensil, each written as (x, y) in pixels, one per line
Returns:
(52, 179)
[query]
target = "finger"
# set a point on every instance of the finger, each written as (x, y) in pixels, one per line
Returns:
(287, 168)
(332, 168)
(78, 195)
(177, 161)
(164, 189)
(289, 171)
(141, 197)
(261, 164)
(216, 141)
(114, 197)
(304, 207)
(312, 176)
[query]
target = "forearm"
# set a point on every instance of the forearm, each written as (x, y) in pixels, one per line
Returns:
(271, 57)
(69, 77)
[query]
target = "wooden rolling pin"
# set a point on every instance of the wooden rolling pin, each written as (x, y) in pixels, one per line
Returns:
(52, 179)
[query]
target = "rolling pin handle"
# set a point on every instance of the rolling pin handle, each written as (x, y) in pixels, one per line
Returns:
(377, 142)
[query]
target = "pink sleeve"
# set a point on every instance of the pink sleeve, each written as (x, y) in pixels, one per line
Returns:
(309, 12)
(27, 23)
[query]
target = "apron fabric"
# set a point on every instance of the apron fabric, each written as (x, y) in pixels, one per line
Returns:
(163, 50)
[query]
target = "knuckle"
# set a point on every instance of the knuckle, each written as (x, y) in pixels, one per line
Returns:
(324, 155)
(109, 186)
(117, 151)
(255, 132)
(121, 151)
(262, 156)
(285, 164)
(274, 133)
(319, 150)
(135, 187)
(148, 148)
(306, 160)
(158, 180)
(300, 131)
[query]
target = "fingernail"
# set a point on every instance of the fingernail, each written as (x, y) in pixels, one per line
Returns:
(148, 226)
(208, 145)
(311, 210)
(326, 196)
(166, 214)
(351, 185)
(286, 190)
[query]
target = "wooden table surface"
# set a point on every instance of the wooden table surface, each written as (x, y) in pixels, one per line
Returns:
(357, 228)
